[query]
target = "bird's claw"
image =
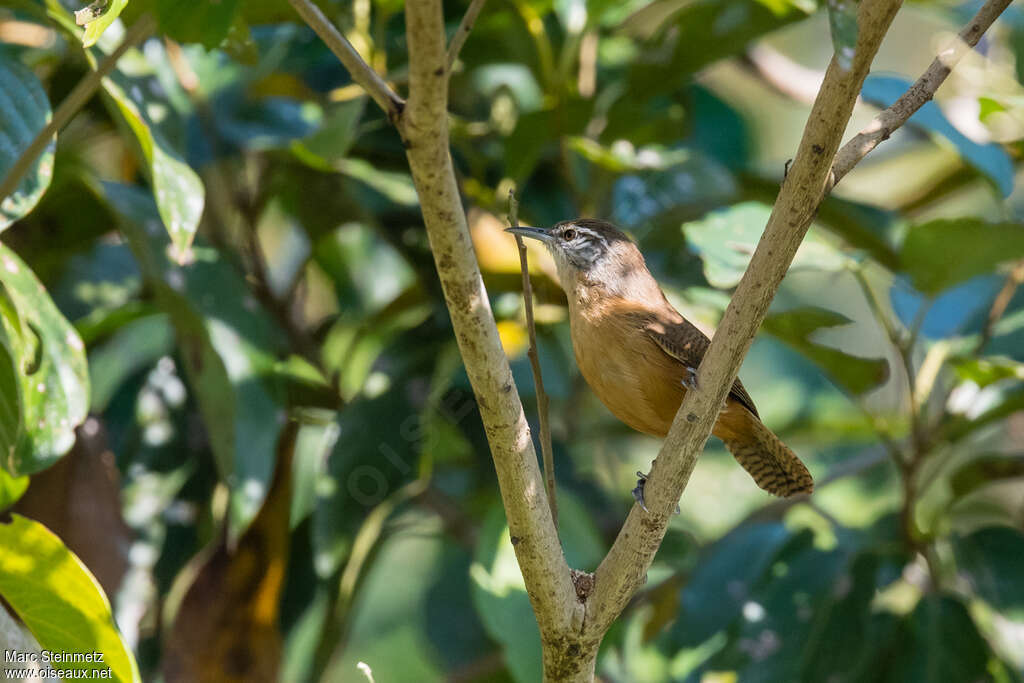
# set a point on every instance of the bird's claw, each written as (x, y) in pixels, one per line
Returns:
(690, 382)
(638, 492)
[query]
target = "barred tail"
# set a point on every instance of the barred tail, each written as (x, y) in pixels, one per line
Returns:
(771, 463)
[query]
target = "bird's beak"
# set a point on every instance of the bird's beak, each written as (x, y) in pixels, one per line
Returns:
(535, 233)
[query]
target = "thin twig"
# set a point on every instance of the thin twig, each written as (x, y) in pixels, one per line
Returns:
(462, 32)
(1014, 280)
(74, 101)
(538, 380)
(358, 69)
(920, 92)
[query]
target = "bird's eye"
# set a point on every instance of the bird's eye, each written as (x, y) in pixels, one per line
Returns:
(569, 235)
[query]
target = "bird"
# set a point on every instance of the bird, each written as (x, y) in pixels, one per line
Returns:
(640, 355)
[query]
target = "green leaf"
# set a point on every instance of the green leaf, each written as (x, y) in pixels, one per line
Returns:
(714, 595)
(51, 367)
(796, 327)
(11, 489)
(95, 28)
(24, 111)
(988, 370)
(180, 195)
(725, 240)
(228, 347)
(199, 21)
(682, 36)
(59, 600)
(842, 23)
(500, 594)
(990, 159)
(941, 253)
(985, 468)
(137, 345)
(937, 643)
(992, 561)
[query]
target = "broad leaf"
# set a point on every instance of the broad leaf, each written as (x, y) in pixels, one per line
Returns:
(51, 367)
(95, 27)
(937, 643)
(180, 195)
(942, 253)
(724, 580)
(200, 21)
(59, 600)
(992, 561)
(842, 22)
(228, 347)
(725, 240)
(990, 159)
(24, 112)
(796, 327)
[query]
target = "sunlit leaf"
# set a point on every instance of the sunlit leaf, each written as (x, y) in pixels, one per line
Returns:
(725, 240)
(796, 327)
(51, 366)
(59, 600)
(180, 195)
(24, 111)
(95, 28)
(990, 159)
(11, 489)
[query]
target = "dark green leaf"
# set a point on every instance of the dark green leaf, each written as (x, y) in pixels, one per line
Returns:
(943, 253)
(199, 21)
(990, 159)
(936, 644)
(724, 580)
(136, 346)
(992, 561)
(24, 111)
(984, 468)
(854, 374)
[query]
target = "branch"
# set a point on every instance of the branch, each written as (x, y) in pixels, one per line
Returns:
(522, 488)
(920, 92)
(74, 101)
(624, 569)
(358, 69)
(538, 379)
(462, 32)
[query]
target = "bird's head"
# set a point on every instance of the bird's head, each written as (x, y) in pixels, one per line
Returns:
(587, 250)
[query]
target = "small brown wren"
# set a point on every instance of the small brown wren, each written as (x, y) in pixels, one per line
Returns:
(639, 354)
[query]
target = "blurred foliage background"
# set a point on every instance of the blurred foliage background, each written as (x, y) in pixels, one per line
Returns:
(231, 389)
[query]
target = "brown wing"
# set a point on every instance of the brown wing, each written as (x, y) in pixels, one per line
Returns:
(687, 344)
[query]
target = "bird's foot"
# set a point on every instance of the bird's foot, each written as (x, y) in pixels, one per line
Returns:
(690, 381)
(638, 492)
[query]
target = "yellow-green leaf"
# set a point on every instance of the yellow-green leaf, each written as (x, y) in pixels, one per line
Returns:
(60, 601)
(95, 28)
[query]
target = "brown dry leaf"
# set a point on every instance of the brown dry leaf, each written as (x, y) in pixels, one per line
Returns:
(225, 629)
(79, 499)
